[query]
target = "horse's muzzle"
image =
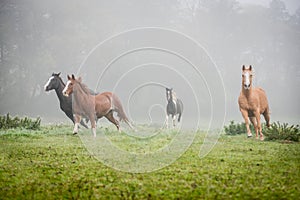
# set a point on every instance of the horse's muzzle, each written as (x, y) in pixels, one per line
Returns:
(65, 94)
(247, 86)
(46, 88)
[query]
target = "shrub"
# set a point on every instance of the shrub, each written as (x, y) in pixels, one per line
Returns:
(237, 128)
(8, 122)
(240, 128)
(283, 131)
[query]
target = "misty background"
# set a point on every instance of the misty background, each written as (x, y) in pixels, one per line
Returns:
(195, 46)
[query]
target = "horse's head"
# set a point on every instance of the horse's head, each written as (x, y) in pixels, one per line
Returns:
(247, 77)
(69, 86)
(169, 92)
(53, 82)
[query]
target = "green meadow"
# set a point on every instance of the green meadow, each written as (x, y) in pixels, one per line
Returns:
(51, 163)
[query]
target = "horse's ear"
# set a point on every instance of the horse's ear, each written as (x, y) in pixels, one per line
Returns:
(73, 77)
(58, 74)
(243, 67)
(69, 78)
(250, 67)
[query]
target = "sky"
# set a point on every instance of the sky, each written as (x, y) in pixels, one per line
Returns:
(291, 5)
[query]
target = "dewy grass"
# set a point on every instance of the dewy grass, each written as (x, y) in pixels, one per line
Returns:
(51, 163)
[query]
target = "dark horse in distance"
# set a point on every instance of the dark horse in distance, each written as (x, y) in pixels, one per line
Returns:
(174, 106)
(56, 83)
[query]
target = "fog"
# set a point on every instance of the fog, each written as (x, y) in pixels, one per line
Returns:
(137, 48)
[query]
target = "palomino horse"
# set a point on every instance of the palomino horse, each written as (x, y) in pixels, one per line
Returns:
(174, 106)
(94, 107)
(55, 83)
(253, 102)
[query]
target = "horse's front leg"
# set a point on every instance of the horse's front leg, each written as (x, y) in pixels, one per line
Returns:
(174, 121)
(93, 124)
(258, 127)
(77, 119)
(245, 116)
(167, 120)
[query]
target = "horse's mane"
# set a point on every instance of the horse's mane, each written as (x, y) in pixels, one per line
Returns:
(61, 80)
(84, 87)
(174, 97)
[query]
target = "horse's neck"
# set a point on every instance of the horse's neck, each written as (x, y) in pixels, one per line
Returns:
(79, 93)
(247, 93)
(59, 90)
(172, 101)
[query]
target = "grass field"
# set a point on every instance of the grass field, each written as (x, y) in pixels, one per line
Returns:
(50, 163)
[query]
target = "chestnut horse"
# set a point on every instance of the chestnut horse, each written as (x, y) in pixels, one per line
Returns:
(253, 102)
(93, 107)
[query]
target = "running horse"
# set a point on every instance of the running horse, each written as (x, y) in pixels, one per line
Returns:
(56, 83)
(93, 107)
(174, 106)
(253, 102)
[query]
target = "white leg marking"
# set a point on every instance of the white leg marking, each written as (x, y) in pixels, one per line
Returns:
(167, 119)
(94, 132)
(76, 128)
(174, 119)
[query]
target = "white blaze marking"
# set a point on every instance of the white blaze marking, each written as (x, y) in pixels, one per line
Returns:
(247, 79)
(48, 82)
(65, 89)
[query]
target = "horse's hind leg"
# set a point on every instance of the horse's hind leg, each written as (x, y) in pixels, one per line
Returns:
(266, 115)
(179, 117)
(111, 118)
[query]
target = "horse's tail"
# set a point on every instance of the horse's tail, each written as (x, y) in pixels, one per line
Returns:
(117, 106)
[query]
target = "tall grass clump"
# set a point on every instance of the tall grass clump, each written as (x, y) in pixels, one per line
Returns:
(236, 128)
(8, 122)
(278, 131)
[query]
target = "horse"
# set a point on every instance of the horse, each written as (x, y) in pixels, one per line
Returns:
(56, 83)
(174, 106)
(94, 107)
(252, 103)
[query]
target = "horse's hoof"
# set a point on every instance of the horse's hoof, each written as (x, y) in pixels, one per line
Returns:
(249, 136)
(262, 138)
(74, 133)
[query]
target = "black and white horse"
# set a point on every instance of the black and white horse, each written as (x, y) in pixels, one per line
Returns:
(174, 106)
(56, 83)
